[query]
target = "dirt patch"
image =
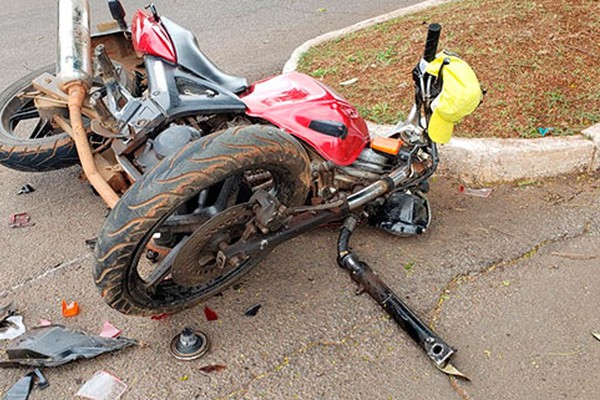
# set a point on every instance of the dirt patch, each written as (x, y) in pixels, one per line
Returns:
(538, 61)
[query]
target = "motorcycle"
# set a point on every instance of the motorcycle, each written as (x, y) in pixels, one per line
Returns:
(206, 174)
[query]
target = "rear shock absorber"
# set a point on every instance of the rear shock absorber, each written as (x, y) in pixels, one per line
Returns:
(434, 346)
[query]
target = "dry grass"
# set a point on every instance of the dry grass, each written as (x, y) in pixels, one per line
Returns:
(537, 59)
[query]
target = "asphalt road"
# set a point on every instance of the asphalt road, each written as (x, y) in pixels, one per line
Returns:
(510, 280)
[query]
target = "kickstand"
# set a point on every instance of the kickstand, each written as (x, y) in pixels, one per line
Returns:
(368, 281)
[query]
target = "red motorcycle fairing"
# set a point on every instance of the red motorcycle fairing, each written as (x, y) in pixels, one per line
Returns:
(151, 38)
(291, 101)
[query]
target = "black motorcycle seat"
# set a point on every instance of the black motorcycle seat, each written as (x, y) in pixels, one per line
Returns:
(191, 57)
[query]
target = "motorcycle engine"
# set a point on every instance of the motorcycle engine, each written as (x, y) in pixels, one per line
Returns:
(166, 144)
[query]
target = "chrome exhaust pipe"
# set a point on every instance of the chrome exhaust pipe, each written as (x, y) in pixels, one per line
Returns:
(74, 55)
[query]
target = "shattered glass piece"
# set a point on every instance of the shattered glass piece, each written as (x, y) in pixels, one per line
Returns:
(12, 327)
(109, 330)
(49, 346)
(21, 389)
(102, 386)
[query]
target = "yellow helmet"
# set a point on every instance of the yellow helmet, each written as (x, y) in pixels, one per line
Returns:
(460, 95)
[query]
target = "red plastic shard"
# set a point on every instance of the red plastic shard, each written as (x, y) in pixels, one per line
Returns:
(109, 330)
(210, 314)
(20, 220)
(70, 310)
(159, 317)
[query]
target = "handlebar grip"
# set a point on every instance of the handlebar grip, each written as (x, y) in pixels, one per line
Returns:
(433, 37)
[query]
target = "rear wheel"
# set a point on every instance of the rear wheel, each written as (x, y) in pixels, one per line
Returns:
(200, 195)
(28, 142)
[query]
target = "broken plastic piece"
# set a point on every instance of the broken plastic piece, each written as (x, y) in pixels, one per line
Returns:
(49, 346)
(483, 192)
(44, 322)
(596, 335)
(91, 243)
(20, 220)
(70, 310)
(12, 327)
(189, 345)
(252, 310)
(210, 314)
(102, 386)
(109, 330)
(27, 188)
(21, 389)
(40, 380)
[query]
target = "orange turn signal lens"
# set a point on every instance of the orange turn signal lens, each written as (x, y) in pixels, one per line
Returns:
(386, 145)
(70, 310)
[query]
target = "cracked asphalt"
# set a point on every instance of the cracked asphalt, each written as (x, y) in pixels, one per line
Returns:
(510, 281)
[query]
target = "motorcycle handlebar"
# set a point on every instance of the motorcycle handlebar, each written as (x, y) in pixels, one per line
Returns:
(433, 37)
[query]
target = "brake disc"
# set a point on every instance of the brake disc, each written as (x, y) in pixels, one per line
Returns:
(197, 261)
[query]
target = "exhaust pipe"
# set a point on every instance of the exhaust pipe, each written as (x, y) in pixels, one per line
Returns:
(74, 75)
(74, 55)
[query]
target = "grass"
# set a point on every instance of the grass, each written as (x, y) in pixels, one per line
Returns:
(537, 59)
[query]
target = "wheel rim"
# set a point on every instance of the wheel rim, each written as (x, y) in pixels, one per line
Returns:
(152, 281)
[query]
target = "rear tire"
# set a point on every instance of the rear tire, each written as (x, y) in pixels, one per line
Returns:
(174, 184)
(47, 153)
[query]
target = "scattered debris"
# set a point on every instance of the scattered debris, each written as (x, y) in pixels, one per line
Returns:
(44, 322)
(210, 314)
(574, 256)
(40, 380)
(109, 330)
(349, 82)
(102, 386)
(21, 389)
(506, 283)
(91, 243)
(159, 317)
(212, 368)
(189, 345)
(12, 327)
(544, 131)
(482, 192)
(27, 188)
(252, 310)
(596, 335)
(50, 346)
(20, 220)
(184, 378)
(70, 310)
(321, 10)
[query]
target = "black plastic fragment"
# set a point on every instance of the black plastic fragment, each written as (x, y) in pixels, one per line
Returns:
(91, 243)
(252, 310)
(26, 189)
(21, 389)
(53, 345)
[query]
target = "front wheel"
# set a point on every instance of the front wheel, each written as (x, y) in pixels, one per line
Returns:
(143, 266)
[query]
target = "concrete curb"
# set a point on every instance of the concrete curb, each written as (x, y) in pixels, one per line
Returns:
(478, 161)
